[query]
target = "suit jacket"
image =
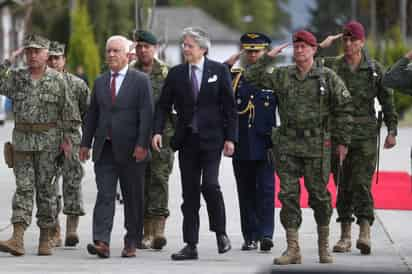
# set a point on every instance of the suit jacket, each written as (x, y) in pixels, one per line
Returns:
(130, 117)
(215, 105)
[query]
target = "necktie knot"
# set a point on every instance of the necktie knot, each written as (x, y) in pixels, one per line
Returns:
(115, 74)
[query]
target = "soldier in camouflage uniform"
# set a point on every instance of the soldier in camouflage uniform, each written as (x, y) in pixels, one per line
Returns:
(363, 78)
(160, 167)
(72, 171)
(308, 97)
(43, 118)
(399, 76)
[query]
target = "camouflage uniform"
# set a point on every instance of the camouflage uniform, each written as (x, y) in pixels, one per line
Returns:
(42, 113)
(399, 76)
(354, 189)
(72, 171)
(302, 143)
(160, 167)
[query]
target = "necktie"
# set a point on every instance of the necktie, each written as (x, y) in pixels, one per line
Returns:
(195, 84)
(113, 86)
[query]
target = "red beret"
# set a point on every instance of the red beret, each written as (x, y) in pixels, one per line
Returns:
(305, 36)
(354, 29)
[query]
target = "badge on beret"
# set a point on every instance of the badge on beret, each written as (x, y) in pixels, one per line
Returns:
(253, 35)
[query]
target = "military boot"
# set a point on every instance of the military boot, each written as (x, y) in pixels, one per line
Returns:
(159, 239)
(364, 241)
(45, 243)
(56, 235)
(345, 242)
(72, 238)
(147, 233)
(323, 245)
(15, 245)
(292, 254)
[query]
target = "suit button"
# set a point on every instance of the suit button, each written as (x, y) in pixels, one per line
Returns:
(249, 125)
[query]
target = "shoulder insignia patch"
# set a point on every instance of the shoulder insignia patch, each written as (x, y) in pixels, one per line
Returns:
(345, 93)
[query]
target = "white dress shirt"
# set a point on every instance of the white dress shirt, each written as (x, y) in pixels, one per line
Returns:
(198, 71)
(119, 78)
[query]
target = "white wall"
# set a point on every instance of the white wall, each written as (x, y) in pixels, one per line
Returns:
(6, 25)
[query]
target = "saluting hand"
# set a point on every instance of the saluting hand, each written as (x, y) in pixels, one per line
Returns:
(15, 54)
(278, 49)
(329, 40)
(409, 55)
(234, 58)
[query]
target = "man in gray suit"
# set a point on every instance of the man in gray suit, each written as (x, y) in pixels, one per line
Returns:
(118, 122)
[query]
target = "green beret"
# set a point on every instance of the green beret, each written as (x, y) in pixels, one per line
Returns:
(35, 41)
(145, 36)
(56, 49)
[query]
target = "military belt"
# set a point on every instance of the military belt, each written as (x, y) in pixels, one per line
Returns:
(364, 119)
(301, 132)
(23, 156)
(26, 127)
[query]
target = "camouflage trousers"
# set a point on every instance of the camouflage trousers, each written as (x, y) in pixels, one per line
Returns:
(34, 172)
(290, 169)
(72, 174)
(354, 190)
(156, 183)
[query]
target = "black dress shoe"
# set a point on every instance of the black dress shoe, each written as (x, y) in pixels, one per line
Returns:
(187, 253)
(249, 245)
(266, 244)
(223, 243)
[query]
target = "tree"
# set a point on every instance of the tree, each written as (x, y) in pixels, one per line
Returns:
(82, 46)
(245, 15)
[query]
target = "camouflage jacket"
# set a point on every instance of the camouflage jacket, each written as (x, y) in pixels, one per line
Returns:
(80, 96)
(364, 85)
(306, 107)
(399, 76)
(157, 77)
(45, 101)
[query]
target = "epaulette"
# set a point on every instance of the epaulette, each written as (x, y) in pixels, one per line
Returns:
(236, 70)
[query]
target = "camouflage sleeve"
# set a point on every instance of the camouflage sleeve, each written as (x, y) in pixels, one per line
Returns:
(69, 119)
(84, 98)
(261, 76)
(399, 76)
(385, 98)
(341, 109)
(6, 79)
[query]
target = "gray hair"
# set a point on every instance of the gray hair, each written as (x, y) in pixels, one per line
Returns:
(199, 35)
(120, 38)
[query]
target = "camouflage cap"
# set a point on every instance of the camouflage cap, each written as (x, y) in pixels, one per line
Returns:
(145, 36)
(35, 41)
(56, 49)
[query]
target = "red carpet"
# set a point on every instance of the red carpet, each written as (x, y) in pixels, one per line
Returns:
(393, 191)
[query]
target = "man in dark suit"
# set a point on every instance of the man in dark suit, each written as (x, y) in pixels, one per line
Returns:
(201, 93)
(119, 124)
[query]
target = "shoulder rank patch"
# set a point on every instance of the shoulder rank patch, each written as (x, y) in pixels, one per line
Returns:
(345, 93)
(270, 69)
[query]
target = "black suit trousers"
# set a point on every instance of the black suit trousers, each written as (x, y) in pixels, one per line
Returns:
(131, 176)
(199, 171)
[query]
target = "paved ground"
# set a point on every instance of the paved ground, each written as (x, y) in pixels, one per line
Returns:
(392, 249)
